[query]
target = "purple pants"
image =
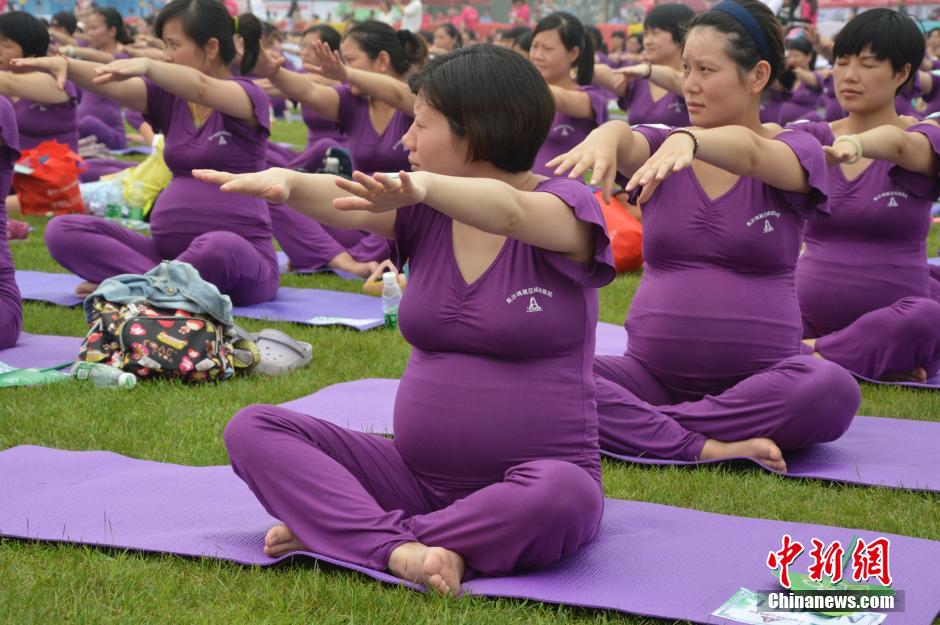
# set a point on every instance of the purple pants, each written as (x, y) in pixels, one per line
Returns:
(96, 249)
(98, 167)
(351, 496)
(114, 138)
(278, 107)
(895, 339)
(11, 308)
(798, 402)
(310, 245)
(310, 160)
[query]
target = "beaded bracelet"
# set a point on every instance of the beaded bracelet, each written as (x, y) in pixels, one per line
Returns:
(854, 141)
(686, 131)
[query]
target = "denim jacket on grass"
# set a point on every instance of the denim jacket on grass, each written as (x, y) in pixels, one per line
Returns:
(171, 284)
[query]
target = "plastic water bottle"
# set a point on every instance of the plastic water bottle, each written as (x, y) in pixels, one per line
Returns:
(331, 165)
(103, 375)
(391, 297)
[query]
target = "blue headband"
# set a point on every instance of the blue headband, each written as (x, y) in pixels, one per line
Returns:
(747, 20)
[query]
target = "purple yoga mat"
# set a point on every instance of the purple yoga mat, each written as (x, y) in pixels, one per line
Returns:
(282, 265)
(52, 288)
(41, 350)
(647, 559)
(307, 306)
(612, 341)
(877, 451)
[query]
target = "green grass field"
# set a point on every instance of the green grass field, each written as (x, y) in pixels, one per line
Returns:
(46, 583)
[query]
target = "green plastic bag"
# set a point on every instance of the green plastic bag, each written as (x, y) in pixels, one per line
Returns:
(11, 376)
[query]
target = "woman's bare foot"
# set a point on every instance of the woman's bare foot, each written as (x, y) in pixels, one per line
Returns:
(280, 540)
(344, 262)
(918, 374)
(85, 289)
(437, 568)
(763, 450)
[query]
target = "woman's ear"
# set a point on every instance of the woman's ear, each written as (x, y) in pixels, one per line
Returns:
(760, 76)
(211, 49)
(382, 62)
(573, 55)
(902, 76)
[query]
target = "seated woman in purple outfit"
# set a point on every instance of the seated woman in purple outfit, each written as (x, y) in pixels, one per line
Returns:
(803, 101)
(865, 292)
(494, 467)
(714, 365)
(43, 110)
(99, 116)
(645, 90)
(561, 45)
(11, 306)
(372, 107)
(208, 118)
(322, 134)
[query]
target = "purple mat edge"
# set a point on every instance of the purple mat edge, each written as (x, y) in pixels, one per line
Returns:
(469, 585)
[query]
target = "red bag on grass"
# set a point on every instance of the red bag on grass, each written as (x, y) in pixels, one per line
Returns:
(625, 232)
(52, 186)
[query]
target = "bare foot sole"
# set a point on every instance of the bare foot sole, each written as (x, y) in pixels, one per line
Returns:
(280, 540)
(915, 375)
(85, 289)
(763, 450)
(437, 568)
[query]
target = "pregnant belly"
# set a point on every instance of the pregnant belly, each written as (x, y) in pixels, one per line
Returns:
(700, 331)
(462, 420)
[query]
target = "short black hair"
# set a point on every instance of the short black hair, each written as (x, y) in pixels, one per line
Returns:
(669, 17)
(572, 34)
(743, 49)
(66, 20)
(205, 19)
(888, 34)
(801, 44)
(327, 34)
(492, 97)
(404, 48)
(27, 31)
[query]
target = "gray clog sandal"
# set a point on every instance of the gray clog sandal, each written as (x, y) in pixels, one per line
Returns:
(280, 353)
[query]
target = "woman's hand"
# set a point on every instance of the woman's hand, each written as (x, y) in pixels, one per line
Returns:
(630, 73)
(380, 193)
(268, 64)
(57, 66)
(272, 185)
(675, 154)
(121, 69)
(597, 152)
(840, 153)
(326, 62)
